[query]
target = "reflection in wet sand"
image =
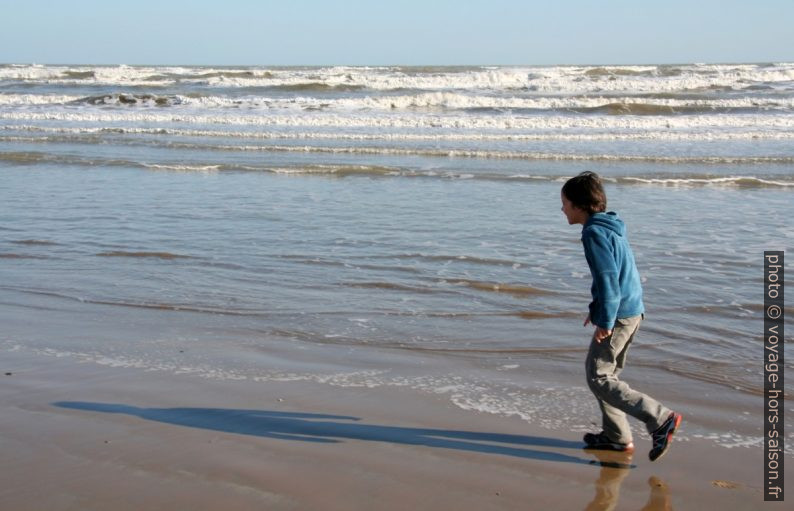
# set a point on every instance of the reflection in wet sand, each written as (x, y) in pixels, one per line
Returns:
(615, 467)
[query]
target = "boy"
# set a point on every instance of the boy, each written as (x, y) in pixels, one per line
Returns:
(616, 312)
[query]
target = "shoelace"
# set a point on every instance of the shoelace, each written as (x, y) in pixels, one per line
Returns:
(660, 438)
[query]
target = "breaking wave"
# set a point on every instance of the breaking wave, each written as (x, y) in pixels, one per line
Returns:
(130, 100)
(701, 126)
(562, 79)
(661, 135)
(680, 179)
(467, 101)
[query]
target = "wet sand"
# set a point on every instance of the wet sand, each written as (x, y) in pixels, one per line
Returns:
(85, 436)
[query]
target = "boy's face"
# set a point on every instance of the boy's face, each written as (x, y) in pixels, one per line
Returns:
(574, 214)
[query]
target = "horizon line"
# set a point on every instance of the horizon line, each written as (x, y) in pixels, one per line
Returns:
(397, 65)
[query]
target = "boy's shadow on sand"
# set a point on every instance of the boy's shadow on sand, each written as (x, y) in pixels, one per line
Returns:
(309, 427)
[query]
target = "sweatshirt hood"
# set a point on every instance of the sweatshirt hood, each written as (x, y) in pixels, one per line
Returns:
(609, 221)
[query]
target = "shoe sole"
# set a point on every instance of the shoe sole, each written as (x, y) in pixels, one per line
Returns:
(676, 423)
(611, 448)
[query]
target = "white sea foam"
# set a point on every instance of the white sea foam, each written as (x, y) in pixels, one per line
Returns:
(665, 134)
(579, 80)
(375, 78)
(774, 122)
(457, 100)
(519, 155)
(462, 101)
(17, 100)
(426, 100)
(562, 79)
(714, 181)
(187, 168)
(96, 75)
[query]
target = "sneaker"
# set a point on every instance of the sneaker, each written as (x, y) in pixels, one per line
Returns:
(664, 435)
(599, 441)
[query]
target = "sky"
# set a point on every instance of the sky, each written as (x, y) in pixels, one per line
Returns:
(396, 32)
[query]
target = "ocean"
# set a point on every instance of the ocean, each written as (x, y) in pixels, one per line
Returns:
(398, 226)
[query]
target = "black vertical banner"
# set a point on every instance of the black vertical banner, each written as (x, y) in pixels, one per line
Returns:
(774, 394)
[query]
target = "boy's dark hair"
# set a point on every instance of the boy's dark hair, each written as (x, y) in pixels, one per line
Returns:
(586, 192)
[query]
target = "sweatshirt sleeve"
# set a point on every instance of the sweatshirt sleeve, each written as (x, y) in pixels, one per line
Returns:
(606, 289)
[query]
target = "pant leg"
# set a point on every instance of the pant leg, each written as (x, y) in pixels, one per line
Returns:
(613, 421)
(605, 360)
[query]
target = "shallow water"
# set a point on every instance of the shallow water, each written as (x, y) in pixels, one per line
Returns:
(235, 224)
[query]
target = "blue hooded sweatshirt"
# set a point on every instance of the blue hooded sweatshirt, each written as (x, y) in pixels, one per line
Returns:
(616, 289)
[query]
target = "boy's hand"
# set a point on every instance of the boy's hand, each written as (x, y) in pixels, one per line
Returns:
(600, 333)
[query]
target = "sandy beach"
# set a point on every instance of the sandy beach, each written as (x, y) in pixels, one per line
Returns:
(83, 436)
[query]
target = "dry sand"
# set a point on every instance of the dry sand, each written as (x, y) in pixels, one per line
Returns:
(81, 436)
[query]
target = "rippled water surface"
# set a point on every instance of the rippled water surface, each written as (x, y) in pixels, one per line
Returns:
(395, 226)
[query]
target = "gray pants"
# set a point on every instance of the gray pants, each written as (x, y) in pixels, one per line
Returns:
(605, 360)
